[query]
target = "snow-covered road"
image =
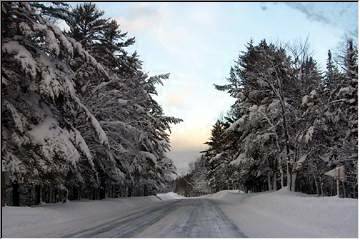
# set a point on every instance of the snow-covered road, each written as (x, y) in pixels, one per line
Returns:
(224, 214)
(184, 218)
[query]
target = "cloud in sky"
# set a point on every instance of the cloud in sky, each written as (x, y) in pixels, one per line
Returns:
(198, 42)
(167, 26)
(337, 14)
(141, 17)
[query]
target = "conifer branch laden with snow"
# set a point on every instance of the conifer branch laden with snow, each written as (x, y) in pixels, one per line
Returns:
(56, 85)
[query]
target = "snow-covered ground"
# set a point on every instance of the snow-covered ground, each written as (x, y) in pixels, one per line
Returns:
(55, 220)
(169, 195)
(288, 214)
(223, 214)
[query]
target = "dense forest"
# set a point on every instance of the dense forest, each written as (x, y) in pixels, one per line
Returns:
(79, 119)
(291, 124)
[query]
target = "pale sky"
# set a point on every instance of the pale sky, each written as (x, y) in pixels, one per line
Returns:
(197, 44)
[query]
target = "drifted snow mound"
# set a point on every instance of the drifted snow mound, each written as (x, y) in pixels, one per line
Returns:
(169, 196)
(224, 194)
(289, 214)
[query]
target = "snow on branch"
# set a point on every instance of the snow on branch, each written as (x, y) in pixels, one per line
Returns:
(94, 122)
(22, 56)
(54, 141)
(87, 57)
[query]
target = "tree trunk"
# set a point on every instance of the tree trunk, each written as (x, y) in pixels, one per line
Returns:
(337, 187)
(281, 173)
(40, 194)
(269, 181)
(293, 181)
(274, 182)
(66, 195)
(51, 195)
(354, 191)
(288, 176)
(316, 186)
(321, 187)
(15, 194)
(286, 133)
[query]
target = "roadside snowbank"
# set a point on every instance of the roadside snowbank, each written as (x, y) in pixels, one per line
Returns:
(169, 196)
(288, 214)
(221, 194)
(56, 220)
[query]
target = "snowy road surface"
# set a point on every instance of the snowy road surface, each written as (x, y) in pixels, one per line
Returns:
(224, 214)
(184, 218)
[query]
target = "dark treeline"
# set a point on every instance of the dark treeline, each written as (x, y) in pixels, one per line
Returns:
(195, 182)
(291, 124)
(78, 115)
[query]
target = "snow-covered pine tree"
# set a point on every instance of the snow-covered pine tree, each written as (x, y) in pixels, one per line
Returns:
(311, 140)
(41, 146)
(343, 111)
(56, 134)
(332, 74)
(86, 24)
(287, 113)
(131, 118)
(262, 82)
(331, 114)
(214, 161)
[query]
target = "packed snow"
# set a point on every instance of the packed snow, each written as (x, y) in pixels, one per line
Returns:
(169, 196)
(268, 214)
(288, 214)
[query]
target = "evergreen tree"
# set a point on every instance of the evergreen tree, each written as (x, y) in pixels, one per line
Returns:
(41, 145)
(131, 118)
(286, 114)
(87, 25)
(87, 125)
(332, 75)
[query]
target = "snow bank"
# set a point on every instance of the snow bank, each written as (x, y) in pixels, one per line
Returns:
(169, 196)
(221, 194)
(56, 220)
(288, 214)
